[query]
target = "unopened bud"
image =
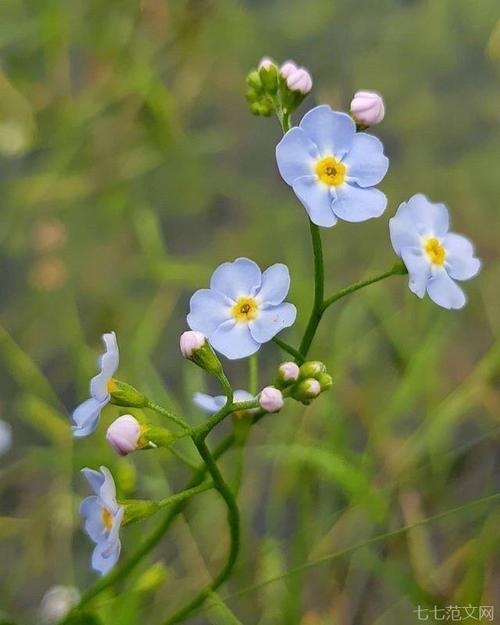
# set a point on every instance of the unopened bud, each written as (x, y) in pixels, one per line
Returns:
(138, 509)
(297, 78)
(191, 341)
(268, 73)
(124, 435)
(122, 394)
(155, 436)
(265, 62)
(306, 390)
(271, 399)
(312, 369)
(325, 380)
(288, 373)
(367, 108)
(195, 346)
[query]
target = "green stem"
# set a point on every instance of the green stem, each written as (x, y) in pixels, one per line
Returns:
(234, 528)
(253, 374)
(397, 269)
(185, 494)
(319, 282)
(289, 349)
(168, 414)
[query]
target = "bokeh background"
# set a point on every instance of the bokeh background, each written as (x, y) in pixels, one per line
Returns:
(130, 167)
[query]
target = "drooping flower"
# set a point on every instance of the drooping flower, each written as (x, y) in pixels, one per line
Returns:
(332, 169)
(211, 404)
(124, 434)
(434, 257)
(271, 399)
(367, 108)
(243, 307)
(57, 602)
(86, 416)
(103, 518)
(5, 437)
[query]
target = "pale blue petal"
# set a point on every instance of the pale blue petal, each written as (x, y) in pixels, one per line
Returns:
(444, 292)
(234, 340)
(208, 309)
(460, 261)
(94, 478)
(114, 534)
(296, 155)
(109, 364)
(209, 404)
(355, 204)
(332, 132)
(402, 230)
(317, 199)
(366, 163)
(240, 395)
(272, 320)
(275, 284)
(427, 217)
(242, 277)
(107, 492)
(103, 564)
(419, 269)
(85, 417)
(91, 512)
(5, 437)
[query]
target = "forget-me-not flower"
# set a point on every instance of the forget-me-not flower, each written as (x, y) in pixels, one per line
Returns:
(211, 404)
(103, 518)
(333, 169)
(433, 256)
(243, 307)
(86, 416)
(5, 437)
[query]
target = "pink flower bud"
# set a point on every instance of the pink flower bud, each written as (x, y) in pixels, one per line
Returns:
(265, 62)
(297, 78)
(289, 371)
(312, 387)
(367, 108)
(124, 434)
(191, 341)
(288, 68)
(271, 399)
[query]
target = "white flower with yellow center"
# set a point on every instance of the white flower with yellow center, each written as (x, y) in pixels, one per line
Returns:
(332, 168)
(434, 257)
(243, 307)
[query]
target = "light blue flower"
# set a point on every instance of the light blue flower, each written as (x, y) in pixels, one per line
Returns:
(211, 404)
(243, 307)
(102, 519)
(333, 169)
(5, 437)
(86, 416)
(433, 256)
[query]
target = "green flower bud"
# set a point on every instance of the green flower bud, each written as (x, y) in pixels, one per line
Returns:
(306, 390)
(311, 369)
(122, 394)
(195, 346)
(138, 509)
(269, 76)
(325, 380)
(254, 81)
(151, 578)
(288, 374)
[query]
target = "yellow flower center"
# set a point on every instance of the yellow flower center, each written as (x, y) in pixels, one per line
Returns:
(435, 251)
(112, 386)
(107, 519)
(245, 309)
(330, 171)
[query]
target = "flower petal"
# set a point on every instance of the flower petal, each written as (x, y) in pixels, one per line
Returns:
(91, 512)
(240, 395)
(356, 204)
(366, 162)
(460, 261)
(208, 309)
(107, 492)
(295, 155)
(331, 131)
(109, 364)
(428, 217)
(85, 417)
(444, 292)
(104, 563)
(275, 284)
(234, 340)
(317, 200)
(241, 277)
(208, 403)
(94, 478)
(419, 269)
(272, 320)
(402, 230)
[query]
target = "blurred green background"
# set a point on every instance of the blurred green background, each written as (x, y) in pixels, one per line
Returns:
(130, 168)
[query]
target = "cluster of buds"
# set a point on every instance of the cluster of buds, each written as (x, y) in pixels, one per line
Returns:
(274, 88)
(304, 383)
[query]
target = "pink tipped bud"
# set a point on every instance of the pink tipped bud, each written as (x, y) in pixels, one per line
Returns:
(271, 399)
(265, 62)
(288, 68)
(300, 81)
(312, 387)
(124, 434)
(191, 341)
(289, 371)
(367, 108)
